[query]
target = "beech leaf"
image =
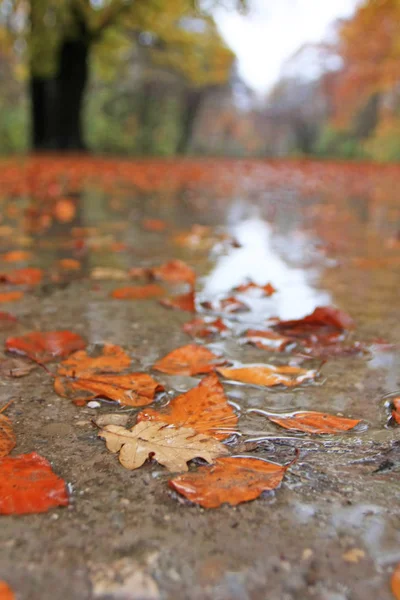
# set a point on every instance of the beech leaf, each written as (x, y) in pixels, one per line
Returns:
(170, 446)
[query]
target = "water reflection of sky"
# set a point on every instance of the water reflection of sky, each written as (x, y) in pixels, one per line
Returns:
(257, 259)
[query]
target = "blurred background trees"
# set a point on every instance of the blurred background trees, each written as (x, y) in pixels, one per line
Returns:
(154, 77)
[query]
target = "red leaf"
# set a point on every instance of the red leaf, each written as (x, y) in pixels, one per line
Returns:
(154, 225)
(269, 375)
(45, 347)
(188, 360)
(6, 592)
(7, 436)
(28, 276)
(395, 583)
(28, 485)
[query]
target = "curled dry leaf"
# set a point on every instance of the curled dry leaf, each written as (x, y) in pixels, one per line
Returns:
(267, 340)
(205, 328)
(132, 389)
(231, 480)
(11, 296)
(204, 408)
(16, 256)
(15, 367)
(170, 446)
(395, 583)
(182, 302)
(29, 485)
(174, 271)
(112, 359)
(155, 225)
(269, 375)
(6, 592)
(139, 292)
(266, 290)
(312, 422)
(189, 360)
(28, 276)
(45, 346)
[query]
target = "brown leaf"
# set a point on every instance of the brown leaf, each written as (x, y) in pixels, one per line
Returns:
(395, 582)
(7, 435)
(28, 276)
(133, 389)
(112, 359)
(313, 422)
(204, 409)
(188, 360)
(231, 480)
(227, 305)
(321, 317)
(155, 225)
(28, 485)
(47, 346)
(267, 289)
(174, 271)
(269, 375)
(6, 592)
(204, 328)
(170, 446)
(267, 340)
(139, 292)
(15, 367)
(182, 302)
(112, 419)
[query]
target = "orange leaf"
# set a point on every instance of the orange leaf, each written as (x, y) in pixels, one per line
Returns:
(69, 264)
(64, 210)
(267, 340)
(204, 409)
(28, 276)
(45, 347)
(28, 485)
(140, 292)
(322, 316)
(267, 289)
(7, 319)
(269, 375)
(7, 436)
(16, 256)
(175, 271)
(231, 480)
(188, 360)
(396, 409)
(113, 359)
(10, 296)
(6, 592)
(183, 302)
(395, 582)
(133, 389)
(205, 328)
(154, 225)
(313, 422)
(227, 305)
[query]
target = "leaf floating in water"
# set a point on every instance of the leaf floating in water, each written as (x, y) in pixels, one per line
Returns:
(204, 328)
(154, 225)
(112, 359)
(395, 582)
(321, 317)
(269, 375)
(11, 296)
(311, 422)
(182, 302)
(140, 292)
(267, 340)
(266, 290)
(28, 276)
(204, 408)
(396, 410)
(231, 480)
(45, 346)
(170, 446)
(189, 360)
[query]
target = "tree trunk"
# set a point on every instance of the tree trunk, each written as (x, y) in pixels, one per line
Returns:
(57, 102)
(192, 102)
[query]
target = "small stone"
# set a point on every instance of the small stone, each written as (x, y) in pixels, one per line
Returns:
(307, 554)
(93, 404)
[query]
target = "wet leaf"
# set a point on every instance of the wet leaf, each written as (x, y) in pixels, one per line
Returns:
(321, 317)
(197, 238)
(313, 422)
(6, 592)
(28, 276)
(7, 320)
(205, 328)
(269, 375)
(155, 225)
(266, 290)
(188, 360)
(112, 359)
(395, 582)
(267, 340)
(396, 410)
(182, 302)
(16, 256)
(15, 367)
(170, 446)
(7, 435)
(64, 210)
(231, 480)
(69, 264)
(45, 346)
(29, 485)
(11, 296)
(174, 271)
(139, 292)
(226, 305)
(204, 408)
(132, 389)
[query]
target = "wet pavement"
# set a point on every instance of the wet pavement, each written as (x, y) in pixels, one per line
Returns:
(322, 234)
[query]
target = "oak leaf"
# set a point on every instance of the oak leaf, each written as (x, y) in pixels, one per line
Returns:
(204, 408)
(29, 485)
(188, 360)
(139, 292)
(231, 480)
(269, 375)
(170, 446)
(47, 346)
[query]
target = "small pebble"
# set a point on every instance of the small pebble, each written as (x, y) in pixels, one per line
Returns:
(93, 404)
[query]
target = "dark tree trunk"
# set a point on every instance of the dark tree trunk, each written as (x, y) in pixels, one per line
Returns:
(57, 102)
(192, 103)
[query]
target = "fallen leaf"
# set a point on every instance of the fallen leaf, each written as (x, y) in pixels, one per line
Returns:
(267, 340)
(174, 271)
(231, 480)
(16, 256)
(11, 296)
(29, 485)
(269, 375)
(182, 302)
(132, 389)
(204, 328)
(155, 225)
(69, 264)
(188, 360)
(140, 292)
(47, 346)
(313, 422)
(322, 316)
(28, 276)
(108, 273)
(7, 435)
(227, 305)
(137, 272)
(395, 582)
(112, 359)
(170, 446)
(15, 367)
(197, 238)
(6, 592)
(266, 290)
(396, 410)
(7, 320)
(204, 409)
(64, 210)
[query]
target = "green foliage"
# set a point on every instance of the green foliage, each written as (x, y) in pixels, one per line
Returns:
(338, 143)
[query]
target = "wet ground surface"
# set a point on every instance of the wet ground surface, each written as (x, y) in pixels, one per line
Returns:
(322, 235)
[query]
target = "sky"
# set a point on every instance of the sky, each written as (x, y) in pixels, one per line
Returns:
(274, 30)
